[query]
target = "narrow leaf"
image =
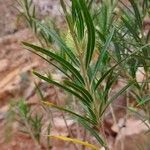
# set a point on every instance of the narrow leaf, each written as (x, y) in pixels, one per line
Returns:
(91, 32)
(92, 131)
(53, 64)
(144, 100)
(137, 13)
(131, 29)
(68, 111)
(102, 54)
(80, 89)
(59, 41)
(59, 59)
(63, 87)
(79, 19)
(117, 95)
(74, 141)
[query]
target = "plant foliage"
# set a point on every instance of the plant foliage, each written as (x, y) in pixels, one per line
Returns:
(109, 43)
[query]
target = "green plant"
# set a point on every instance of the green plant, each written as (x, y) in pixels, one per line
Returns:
(32, 123)
(29, 120)
(27, 11)
(114, 33)
(132, 39)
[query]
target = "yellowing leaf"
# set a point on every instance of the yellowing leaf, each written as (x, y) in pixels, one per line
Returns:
(47, 103)
(69, 41)
(93, 147)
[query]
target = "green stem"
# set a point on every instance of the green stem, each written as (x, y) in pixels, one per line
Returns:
(82, 66)
(80, 55)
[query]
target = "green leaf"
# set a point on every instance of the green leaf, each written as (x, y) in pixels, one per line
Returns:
(78, 19)
(53, 64)
(80, 89)
(84, 101)
(39, 92)
(111, 79)
(133, 66)
(90, 30)
(23, 108)
(59, 59)
(59, 41)
(68, 111)
(117, 95)
(144, 100)
(103, 18)
(102, 54)
(73, 11)
(86, 96)
(137, 13)
(117, 51)
(121, 91)
(131, 28)
(103, 77)
(113, 67)
(92, 131)
(101, 36)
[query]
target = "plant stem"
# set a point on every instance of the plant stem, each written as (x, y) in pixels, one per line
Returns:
(80, 54)
(82, 66)
(32, 135)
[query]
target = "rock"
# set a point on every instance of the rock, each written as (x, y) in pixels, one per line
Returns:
(132, 136)
(50, 8)
(4, 65)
